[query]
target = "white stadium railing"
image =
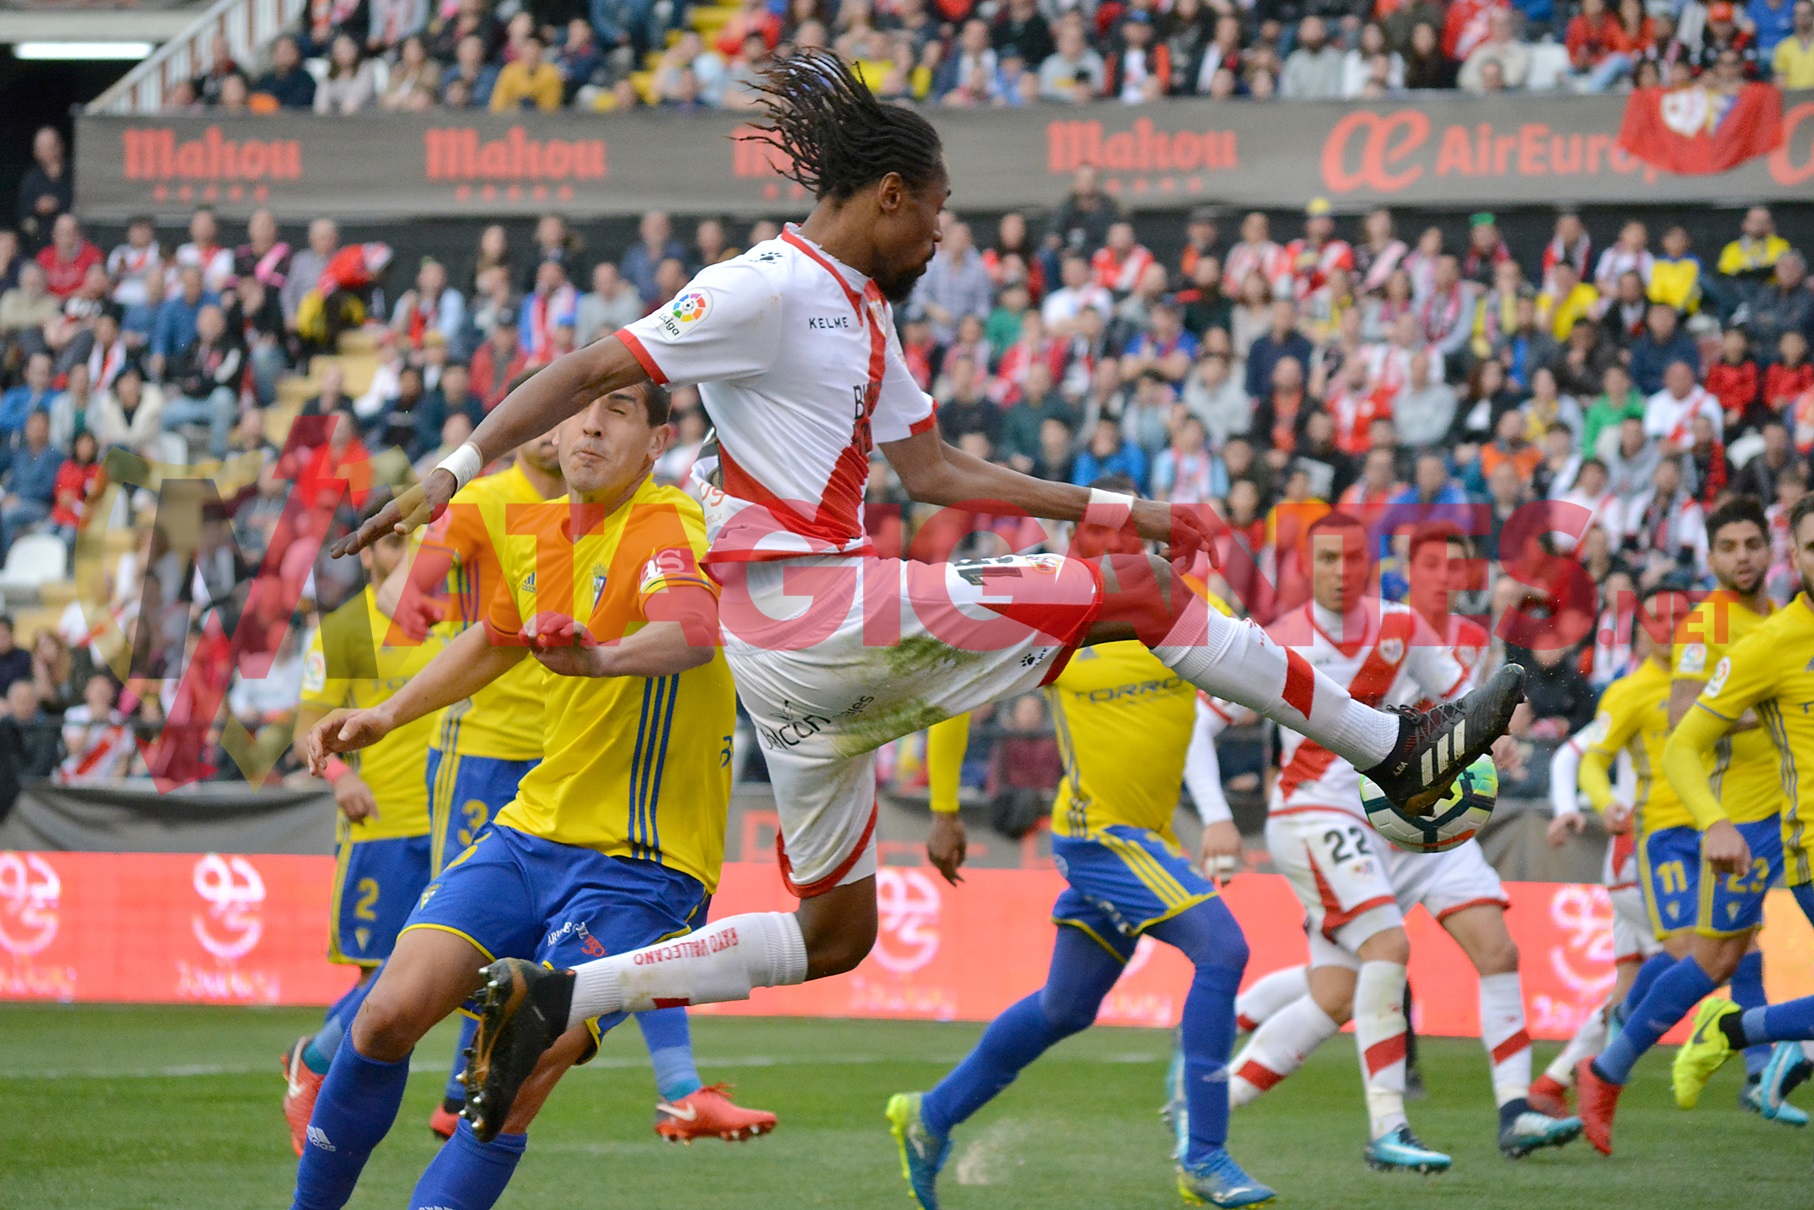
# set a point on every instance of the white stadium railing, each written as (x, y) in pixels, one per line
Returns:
(248, 25)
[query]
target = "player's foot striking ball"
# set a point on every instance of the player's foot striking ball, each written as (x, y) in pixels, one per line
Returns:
(1436, 745)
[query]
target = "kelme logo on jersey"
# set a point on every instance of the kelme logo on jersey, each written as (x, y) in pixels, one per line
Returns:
(684, 312)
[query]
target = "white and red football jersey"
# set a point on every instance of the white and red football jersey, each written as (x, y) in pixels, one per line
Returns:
(1265, 257)
(1354, 413)
(1392, 652)
(1468, 643)
(801, 373)
(1119, 274)
(1671, 420)
(1310, 267)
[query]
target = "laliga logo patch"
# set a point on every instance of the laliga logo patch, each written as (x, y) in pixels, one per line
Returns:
(1693, 657)
(684, 312)
(29, 895)
(235, 894)
(1719, 678)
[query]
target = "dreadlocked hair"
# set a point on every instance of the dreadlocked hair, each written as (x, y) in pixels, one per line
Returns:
(833, 135)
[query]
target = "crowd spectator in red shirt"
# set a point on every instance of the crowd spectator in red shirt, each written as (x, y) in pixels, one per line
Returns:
(66, 259)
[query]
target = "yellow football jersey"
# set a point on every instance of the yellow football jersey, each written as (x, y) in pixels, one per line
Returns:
(349, 664)
(503, 720)
(1771, 672)
(1743, 765)
(634, 767)
(1634, 717)
(1123, 721)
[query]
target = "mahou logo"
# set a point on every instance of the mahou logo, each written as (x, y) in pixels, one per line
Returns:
(235, 894)
(907, 902)
(29, 897)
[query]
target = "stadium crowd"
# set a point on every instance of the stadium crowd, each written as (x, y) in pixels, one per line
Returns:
(1269, 374)
(404, 55)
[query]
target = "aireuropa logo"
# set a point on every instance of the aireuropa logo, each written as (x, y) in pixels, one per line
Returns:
(232, 923)
(907, 936)
(30, 894)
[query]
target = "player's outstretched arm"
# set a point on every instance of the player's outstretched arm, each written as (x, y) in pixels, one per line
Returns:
(462, 668)
(946, 844)
(934, 472)
(568, 384)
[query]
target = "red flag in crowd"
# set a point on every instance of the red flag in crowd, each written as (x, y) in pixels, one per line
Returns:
(1696, 130)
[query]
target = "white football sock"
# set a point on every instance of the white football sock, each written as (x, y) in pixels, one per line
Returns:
(1268, 994)
(1235, 660)
(1379, 1039)
(1508, 1046)
(1278, 1048)
(722, 961)
(1590, 1039)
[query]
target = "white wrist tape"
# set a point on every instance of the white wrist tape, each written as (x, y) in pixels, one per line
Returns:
(1108, 508)
(464, 464)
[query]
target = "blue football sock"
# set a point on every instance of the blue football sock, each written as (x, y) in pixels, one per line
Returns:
(1671, 997)
(326, 1043)
(354, 1110)
(456, 1091)
(1790, 1021)
(1210, 937)
(1747, 987)
(670, 1042)
(1653, 966)
(467, 1174)
(1081, 975)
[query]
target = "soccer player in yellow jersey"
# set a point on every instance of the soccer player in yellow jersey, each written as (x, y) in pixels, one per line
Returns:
(1124, 722)
(613, 842)
(1683, 866)
(485, 745)
(1633, 720)
(1770, 674)
(382, 846)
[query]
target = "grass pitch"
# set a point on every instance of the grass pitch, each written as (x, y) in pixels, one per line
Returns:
(178, 1107)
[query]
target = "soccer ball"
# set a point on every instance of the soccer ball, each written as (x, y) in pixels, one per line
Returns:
(1461, 813)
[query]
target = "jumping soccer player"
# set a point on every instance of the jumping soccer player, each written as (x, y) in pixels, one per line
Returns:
(483, 747)
(1771, 673)
(1356, 887)
(381, 841)
(1633, 720)
(1123, 722)
(613, 842)
(1743, 839)
(836, 650)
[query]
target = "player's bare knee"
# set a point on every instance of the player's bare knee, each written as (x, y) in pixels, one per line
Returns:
(1391, 945)
(1499, 957)
(386, 1029)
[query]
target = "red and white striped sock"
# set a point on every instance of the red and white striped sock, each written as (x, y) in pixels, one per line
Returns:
(1278, 1048)
(1233, 659)
(1590, 1039)
(1508, 1046)
(1268, 994)
(1379, 1039)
